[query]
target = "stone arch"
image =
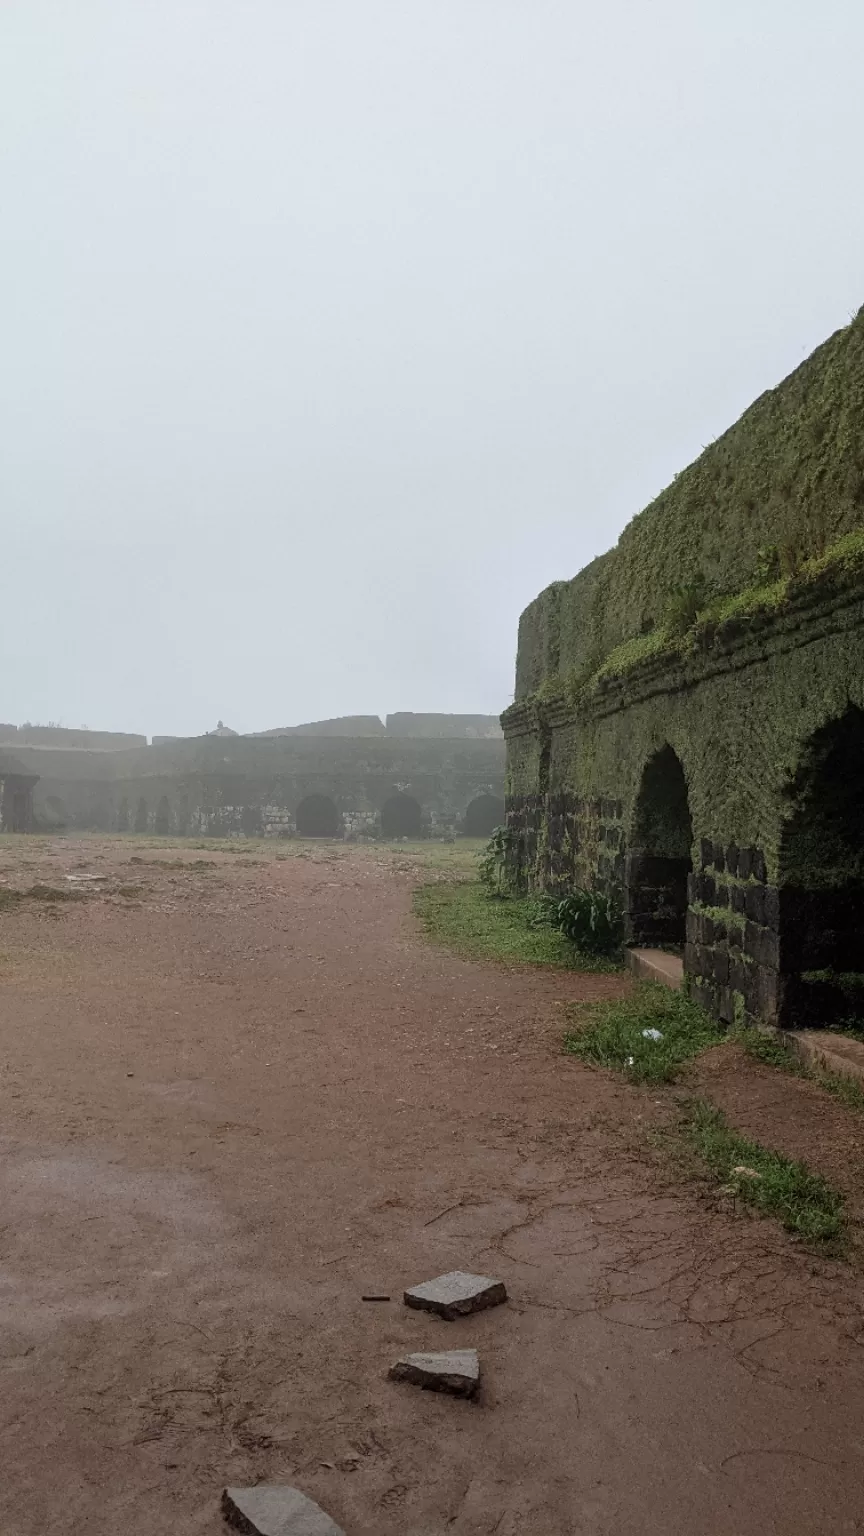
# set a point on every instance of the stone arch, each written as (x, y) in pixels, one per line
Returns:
(123, 815)
(250, 821)
(318, 816)
(821, 879)
(162, 824)
(484, 814)
(660, 854)
(401, 816)
(55, 813)
(141, 816)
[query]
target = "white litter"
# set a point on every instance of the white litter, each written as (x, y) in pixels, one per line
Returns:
(652, 1034)
(630, 1061)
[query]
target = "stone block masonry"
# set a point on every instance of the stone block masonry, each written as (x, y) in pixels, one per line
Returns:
(275, 787)
(688, 731)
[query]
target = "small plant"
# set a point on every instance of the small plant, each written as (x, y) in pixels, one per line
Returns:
(588, 919)
(684, 606)
(492, 865)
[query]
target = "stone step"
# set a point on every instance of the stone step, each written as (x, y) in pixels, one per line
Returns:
(657, 965)
(832, 1053)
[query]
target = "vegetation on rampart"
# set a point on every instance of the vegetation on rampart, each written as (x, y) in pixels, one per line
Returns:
(775, 502)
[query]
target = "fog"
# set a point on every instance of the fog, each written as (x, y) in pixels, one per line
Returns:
(333, 330)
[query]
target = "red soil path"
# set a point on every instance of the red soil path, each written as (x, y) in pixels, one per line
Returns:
(234, 1107)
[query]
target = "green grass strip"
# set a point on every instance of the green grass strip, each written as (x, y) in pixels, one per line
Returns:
(464, 918)
(612, 1034)
(778, 1186)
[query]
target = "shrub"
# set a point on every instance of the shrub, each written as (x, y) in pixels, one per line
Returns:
(588, 919)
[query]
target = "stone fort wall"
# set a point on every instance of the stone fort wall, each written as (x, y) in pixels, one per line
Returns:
(233, 786)
(688, 731)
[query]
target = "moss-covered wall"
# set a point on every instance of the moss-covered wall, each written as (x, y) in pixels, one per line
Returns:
(784, 483)
(741, 720)
(703, 683)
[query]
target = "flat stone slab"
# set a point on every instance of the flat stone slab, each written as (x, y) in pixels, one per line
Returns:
(456, 1294)
(271, 1510)
(833, 1053)
(451, 1370)
(657, 965)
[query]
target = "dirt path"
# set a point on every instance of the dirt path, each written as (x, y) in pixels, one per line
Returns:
(237, 1101)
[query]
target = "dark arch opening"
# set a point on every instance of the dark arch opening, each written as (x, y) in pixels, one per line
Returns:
(317, 816)
(55, 813)
(821, 878)
(162, 825)
(250, 821)
(484, 814)
(141, 816)
(401, 816)
(660, 858)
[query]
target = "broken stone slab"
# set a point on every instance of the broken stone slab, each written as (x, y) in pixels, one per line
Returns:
(272, 1510)
(452, 1370)
(456, 1294)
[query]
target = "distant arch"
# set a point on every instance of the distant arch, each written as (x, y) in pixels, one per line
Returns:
(162, 825)
(317, 816)
(141, 816)
(123, 815)
(660, 854)
(250, 821)
(484, 814)
(401, 816)
(821, 878)
(57, 815)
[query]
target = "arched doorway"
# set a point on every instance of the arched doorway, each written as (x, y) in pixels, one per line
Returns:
(659, 858)
(484, 814)
(141, 816)
(401, 816)
(821, 879)
(162, 825)
(317, 816)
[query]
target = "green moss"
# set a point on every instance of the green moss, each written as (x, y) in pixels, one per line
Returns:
(776, 502)
(635, 652)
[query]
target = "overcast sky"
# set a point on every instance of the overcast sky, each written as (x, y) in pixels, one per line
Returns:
(333, 330)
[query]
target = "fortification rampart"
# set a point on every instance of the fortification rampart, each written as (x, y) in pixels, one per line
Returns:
(688, 732)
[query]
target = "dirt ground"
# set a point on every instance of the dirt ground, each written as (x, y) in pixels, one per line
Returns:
(238, 1097)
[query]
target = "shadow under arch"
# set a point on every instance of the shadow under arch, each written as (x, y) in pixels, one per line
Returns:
(660, 855)
(401, 816)
(318, 816)
(821, 880)
(484, 814)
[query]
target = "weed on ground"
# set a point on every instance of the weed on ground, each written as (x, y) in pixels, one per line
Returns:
(648, 1035)
(804, 1202)
(464, 918)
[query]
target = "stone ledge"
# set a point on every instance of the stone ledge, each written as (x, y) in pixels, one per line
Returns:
(832, 1053)
(657, 965)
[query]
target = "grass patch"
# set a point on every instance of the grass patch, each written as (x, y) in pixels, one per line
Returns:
(612, 1034)
(461, 916)
(775, 1185)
